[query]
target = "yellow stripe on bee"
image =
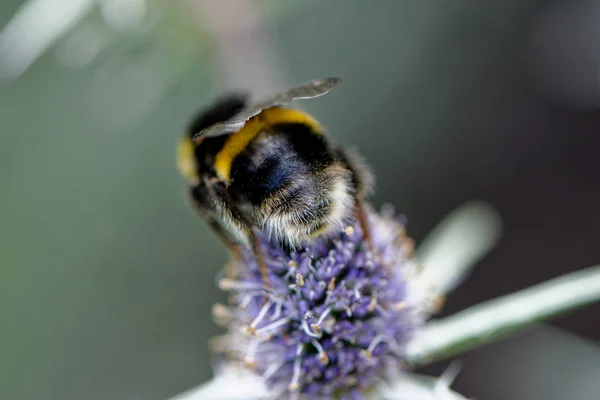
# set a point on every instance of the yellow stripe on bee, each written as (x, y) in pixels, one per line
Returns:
(186, 160)
(238, 141)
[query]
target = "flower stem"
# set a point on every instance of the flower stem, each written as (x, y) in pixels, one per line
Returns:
(457, 243)
(496, 318)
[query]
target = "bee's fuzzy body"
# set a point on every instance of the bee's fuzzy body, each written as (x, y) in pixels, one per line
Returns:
(279, 173)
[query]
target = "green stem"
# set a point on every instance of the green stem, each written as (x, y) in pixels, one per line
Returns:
(496, 318)
(457, 244)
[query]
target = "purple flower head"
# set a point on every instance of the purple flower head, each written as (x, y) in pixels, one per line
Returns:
(335, 318)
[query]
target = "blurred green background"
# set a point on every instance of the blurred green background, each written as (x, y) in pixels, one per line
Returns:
(106, 275)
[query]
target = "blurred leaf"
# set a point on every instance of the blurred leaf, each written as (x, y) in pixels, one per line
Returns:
(493, 319)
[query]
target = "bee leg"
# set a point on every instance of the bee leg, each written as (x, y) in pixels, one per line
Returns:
(224, 236)
(197, 198)
(364, 226)
(363, 222)
(221, 193)
(260, 258)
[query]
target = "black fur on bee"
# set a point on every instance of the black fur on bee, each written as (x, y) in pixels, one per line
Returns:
(278, 173)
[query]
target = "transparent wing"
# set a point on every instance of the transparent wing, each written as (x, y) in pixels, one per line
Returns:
(309, 90)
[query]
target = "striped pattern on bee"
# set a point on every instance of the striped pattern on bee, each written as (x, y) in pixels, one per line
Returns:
(271, 168)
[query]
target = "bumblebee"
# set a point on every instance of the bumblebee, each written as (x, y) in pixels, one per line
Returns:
(268, 167)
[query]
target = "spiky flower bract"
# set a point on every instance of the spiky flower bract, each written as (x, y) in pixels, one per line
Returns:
(335, 317)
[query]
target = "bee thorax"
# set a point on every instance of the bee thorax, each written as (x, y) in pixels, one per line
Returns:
(310, 206)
